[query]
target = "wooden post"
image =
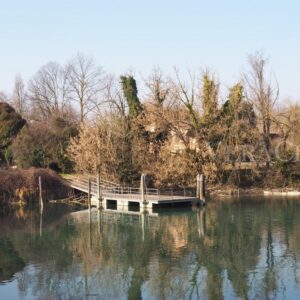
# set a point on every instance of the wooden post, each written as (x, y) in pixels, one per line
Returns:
(201, 188)
(41, 194)
(89, 193)
(198, 187)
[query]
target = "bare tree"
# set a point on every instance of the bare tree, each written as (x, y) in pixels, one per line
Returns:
(86, 81)
(263, 94)
(196, 95)
(19, 99)
(287, 122)
(187, 95)
(113, 100)
(158, 86)
(3, 97)
(49, 90)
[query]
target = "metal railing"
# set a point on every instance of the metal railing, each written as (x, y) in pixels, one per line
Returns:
(107, 188)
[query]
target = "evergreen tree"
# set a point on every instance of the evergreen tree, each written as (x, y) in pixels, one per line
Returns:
(10, 125)
(130, 93)
(236, 96)
(209, 97)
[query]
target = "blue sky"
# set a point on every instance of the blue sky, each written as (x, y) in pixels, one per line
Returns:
(137, 35)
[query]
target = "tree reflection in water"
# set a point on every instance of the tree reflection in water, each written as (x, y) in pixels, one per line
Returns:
(243, 249)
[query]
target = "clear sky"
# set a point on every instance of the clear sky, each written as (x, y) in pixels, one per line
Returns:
(125, 35)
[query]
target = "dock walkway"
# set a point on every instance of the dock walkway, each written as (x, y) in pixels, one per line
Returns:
(104, 192)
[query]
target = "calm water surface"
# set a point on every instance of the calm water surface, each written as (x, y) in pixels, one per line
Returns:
(239, 250)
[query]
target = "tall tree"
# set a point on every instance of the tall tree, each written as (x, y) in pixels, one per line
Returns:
(49, 90)
(19, 99)
(10, 125)
(209, 96)
(236, 127)
(159, 88)
(3, 97)
(261, 91)
(131, 94)
(186, 93)
(86, 81)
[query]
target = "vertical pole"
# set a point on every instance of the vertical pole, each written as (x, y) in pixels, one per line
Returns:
(198, 187)
(90, 213)
(201, 188)
(41, 204)
(143, 187)
(99, 189)
(41, 194)
(143, 225)
(89, 193)
(99, 220)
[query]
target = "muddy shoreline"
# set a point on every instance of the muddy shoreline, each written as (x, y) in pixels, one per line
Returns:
(227, 191)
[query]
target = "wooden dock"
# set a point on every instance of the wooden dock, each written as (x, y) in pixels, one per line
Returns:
(105, 194)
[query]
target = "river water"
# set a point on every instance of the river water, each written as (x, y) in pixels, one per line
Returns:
(244, 249)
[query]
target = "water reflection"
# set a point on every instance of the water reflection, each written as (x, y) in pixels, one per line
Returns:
(244, 250)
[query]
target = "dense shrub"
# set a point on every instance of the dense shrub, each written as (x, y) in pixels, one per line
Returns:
(10, 125)
(43, 144)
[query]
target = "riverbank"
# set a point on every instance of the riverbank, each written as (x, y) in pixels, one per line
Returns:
(22, 186)
(228, 191)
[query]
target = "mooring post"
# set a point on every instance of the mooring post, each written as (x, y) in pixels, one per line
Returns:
(89, 193)
(41, 194)
(201, 187)
(198, 186)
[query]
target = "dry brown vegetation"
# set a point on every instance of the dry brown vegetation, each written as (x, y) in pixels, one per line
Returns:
(85, 120)
(182, 128)
(22, 185)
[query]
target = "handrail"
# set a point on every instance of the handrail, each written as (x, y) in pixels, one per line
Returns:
(106, 187)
